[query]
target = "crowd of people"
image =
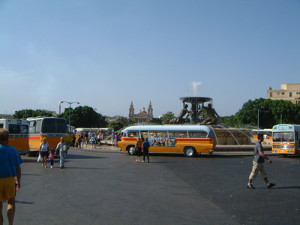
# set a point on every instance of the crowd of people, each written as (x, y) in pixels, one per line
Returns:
(95, 138)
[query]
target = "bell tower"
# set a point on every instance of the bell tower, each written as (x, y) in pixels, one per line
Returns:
(131, 110)
(150, 110)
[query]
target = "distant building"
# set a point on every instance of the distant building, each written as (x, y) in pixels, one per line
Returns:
(288, 92)
(109, 119)
(6, 116)
(143, 116)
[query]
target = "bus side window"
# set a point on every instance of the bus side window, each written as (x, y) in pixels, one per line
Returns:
(14, 129)
(144, 134)
(1, 125)
(178, 134)
(32, 127)
(198, 134)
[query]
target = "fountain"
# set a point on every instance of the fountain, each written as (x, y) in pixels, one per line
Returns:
(202, 112)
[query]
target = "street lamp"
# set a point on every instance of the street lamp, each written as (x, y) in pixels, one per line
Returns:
(258, 117)
(70, 103)
(280, 116)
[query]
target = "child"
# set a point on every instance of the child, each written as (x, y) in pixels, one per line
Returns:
(51, 157)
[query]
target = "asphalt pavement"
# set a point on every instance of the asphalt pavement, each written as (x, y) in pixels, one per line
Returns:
(106, 186)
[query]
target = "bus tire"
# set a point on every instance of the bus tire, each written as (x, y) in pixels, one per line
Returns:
(130, 150)
(189, 151)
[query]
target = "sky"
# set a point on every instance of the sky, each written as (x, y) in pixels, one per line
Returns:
(107, 53)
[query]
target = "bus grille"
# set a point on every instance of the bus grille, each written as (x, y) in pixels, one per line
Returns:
(283, 146)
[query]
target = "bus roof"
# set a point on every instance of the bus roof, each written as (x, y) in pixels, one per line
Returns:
(41, 118)
(15, 121)
(168, 128)
(286, 127)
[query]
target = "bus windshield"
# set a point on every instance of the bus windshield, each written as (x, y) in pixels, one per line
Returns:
(283, 137)
(54, 126)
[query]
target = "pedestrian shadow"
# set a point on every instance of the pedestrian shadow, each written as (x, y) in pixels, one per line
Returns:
(24, 202)
(70, 156)
(29, 160)
(287, 187)
(82, 168)
(30, 174)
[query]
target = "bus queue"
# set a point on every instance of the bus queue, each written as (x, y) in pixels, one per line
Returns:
(191, 140)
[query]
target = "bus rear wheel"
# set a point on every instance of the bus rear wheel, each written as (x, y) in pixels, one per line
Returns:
(189, 151)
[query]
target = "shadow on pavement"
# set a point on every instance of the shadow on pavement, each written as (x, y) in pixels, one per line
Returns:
(24, 202)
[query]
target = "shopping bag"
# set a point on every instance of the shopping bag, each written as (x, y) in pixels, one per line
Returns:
(39, 159)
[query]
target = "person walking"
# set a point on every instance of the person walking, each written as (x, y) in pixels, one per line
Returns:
(44, 151)
(138, 149)
(51, 157)
(146, 146)
(10, 167)
(79, 141)
(258, 164)
(62, 148)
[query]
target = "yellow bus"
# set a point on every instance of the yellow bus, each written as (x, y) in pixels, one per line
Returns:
(188, 139)
(286, 139)
(50, 127)
(18, 133)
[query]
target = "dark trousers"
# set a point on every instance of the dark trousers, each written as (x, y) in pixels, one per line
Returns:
(52, 162)
(146, 153)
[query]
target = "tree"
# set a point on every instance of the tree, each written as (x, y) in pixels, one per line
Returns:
(270, 113)
(26, 113)
(84, 116)
(118, 124)
(156, 121)
(167, 117)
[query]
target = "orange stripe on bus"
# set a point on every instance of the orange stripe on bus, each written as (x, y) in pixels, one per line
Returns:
(34, 138)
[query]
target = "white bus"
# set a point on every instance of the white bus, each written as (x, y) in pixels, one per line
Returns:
(188, 139)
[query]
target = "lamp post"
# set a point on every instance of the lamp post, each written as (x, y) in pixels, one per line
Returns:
(280, 116)
(70, 103)
(258, 112)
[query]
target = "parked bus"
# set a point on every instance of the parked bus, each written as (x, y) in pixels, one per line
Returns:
(50, 127)
(286, 139)
(18, 133)
(188, 139)
(106, 131)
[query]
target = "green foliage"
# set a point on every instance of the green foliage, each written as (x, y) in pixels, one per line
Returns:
(25, 113)
(84, 116)
(118, 124)
(270, 113)
(167, 117)
(156, 121)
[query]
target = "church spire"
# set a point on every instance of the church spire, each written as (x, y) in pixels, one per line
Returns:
(150, 110)
(131, 110)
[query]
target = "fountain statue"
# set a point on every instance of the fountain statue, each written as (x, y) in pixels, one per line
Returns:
(198, 113)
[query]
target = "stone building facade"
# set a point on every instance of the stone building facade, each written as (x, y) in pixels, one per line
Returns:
(143, 116)
(288, 92)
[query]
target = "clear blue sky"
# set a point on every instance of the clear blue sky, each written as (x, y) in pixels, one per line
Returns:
(106, 54)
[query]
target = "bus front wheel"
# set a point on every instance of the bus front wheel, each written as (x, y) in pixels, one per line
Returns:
(130, 150)
(189, 152)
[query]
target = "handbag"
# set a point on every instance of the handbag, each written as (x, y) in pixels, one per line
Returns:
(39, 159)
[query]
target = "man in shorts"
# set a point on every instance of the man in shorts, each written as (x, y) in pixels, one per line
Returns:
(258, 164)
(10, 168)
